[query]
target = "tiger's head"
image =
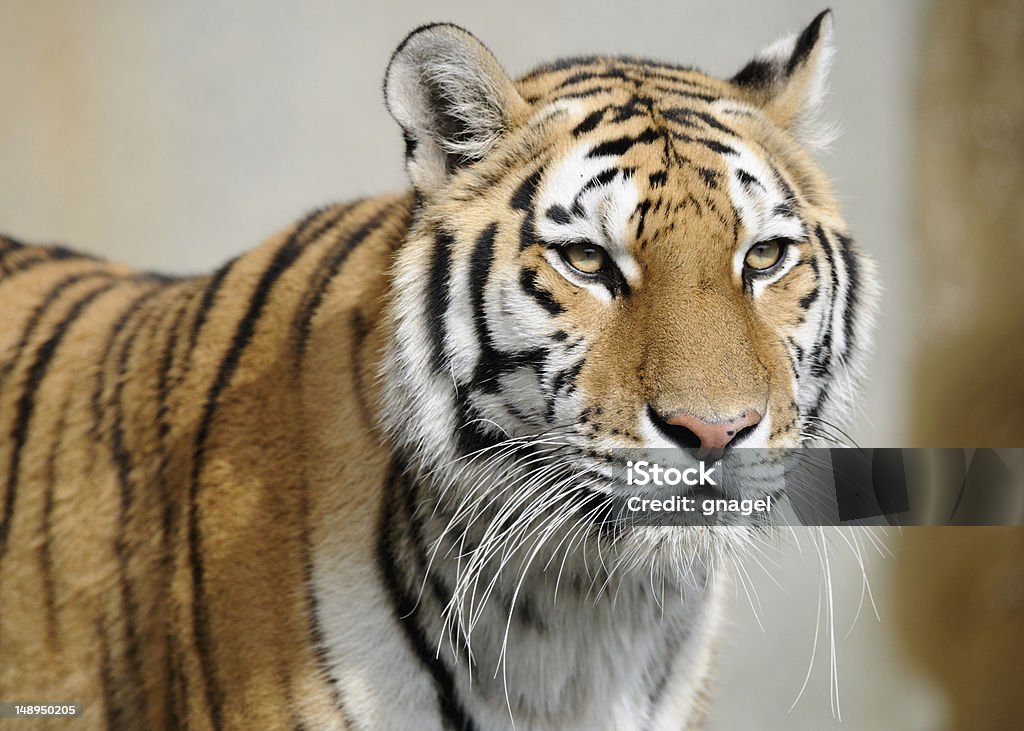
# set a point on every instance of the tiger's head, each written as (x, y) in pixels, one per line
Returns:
(616, 253)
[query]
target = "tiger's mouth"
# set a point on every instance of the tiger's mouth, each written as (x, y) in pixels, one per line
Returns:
(608, 471)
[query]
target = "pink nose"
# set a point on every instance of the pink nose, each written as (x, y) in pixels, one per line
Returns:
(711, 438)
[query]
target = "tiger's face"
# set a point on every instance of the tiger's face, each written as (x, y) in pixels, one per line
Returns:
(613, 253)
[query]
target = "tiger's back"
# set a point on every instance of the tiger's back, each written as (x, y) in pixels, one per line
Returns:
(134, 407)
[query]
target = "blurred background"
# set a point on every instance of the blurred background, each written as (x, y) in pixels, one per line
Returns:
(175, 135)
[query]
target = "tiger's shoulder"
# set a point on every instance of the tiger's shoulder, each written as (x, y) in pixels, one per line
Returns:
(132, 403)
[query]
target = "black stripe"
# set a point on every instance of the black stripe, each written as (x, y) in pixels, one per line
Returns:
(612, 73)
(479, 273)
(674, 74)
(40, 255)
(163, 383)
(283, 258)
(567, 376)
(471, 435)
(797, 347)
(587, 93)
(642, 210)
(636, 106)
(527, 231)
(691, 200)
(787, 189)
(619, 147)
(122, 461)
(826, 246)
(563, 64)
(578, 78)
(710, 177)
(174, 692)
(528, 281)
(46, 548)
(685, 120)
(709, 98)
(322, 275)
(558, 214)
(360, 330)
(809, 299)
(651, 68)
(589, 122)
(438, 299)
(602, 178)
(564, 377)
(331, 265)
(26, 405)
(96, 403)
(748, 180)
(417, 538)
(177, 690)
(51, 255)
(410, 145)
(112, 711)
(205, 305)
(821, 355)
(37, 315)
(783, 209)
(522, 198)
(686, 117)
(316, 635)
(852, 288)
(715, 146)
(404, 607)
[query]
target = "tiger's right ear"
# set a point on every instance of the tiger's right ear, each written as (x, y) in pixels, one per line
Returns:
(788, 80)
(452, 99)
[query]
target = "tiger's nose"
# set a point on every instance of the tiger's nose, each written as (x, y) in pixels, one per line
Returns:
(707, 439)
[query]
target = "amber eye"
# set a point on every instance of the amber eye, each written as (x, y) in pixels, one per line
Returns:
(585, 257)
(765, 255)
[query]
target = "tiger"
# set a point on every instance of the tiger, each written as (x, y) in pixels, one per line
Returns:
(355, 477)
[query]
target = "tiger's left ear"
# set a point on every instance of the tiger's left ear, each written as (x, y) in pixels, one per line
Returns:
(789, 79)
(451, 98)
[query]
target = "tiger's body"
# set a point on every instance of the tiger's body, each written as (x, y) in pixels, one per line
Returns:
(324, 487)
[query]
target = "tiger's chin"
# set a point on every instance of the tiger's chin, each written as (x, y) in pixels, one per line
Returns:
(686, 555)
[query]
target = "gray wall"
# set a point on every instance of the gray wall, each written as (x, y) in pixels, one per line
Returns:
(174, 135)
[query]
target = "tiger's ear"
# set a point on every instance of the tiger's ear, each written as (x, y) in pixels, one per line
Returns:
(789, 79)
(452, 99)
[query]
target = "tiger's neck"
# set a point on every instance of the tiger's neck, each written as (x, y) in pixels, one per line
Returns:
(542, 637)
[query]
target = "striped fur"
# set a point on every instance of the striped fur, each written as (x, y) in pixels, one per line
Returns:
(357, 477)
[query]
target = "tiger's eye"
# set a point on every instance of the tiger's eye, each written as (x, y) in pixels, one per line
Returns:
(765, 255)
(585, 257)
